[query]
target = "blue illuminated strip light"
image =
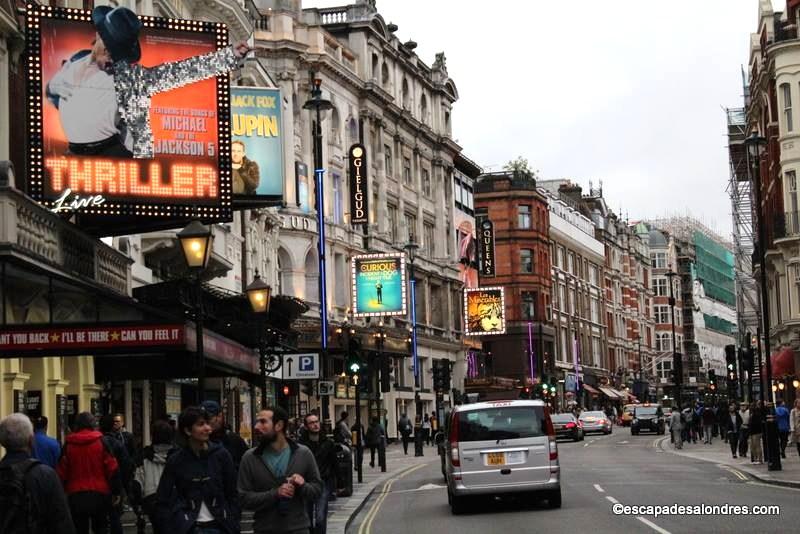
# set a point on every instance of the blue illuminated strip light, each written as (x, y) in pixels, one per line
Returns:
(414, 359)
(323, 304)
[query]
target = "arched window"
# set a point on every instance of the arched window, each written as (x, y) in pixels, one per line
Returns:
(405, 94)
(447, 122)
(375, 63)
(336, 126)
(352, 131)
(312, 277)
(423, 109)
(285, 269)
(385, 81)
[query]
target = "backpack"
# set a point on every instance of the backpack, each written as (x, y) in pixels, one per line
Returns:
(17, 514)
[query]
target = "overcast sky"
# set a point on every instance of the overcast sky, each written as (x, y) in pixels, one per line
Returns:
(630, 92)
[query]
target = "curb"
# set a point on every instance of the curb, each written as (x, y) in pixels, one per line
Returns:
(758, 477)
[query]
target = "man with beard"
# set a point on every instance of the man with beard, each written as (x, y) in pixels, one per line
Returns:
(278, 478)
(325, 454)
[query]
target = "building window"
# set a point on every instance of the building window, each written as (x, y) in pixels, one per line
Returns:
(562, 297)
(659, 260)
(387, 160)
(571, 263)
(595, 310)
(596, 351)
(337, 199)
(561, 258)
(786, 90)
(392, 215)
(523, 216)
(660, 288)
(407, 171)
(663, 342)
(661, 314)
(426, 182)
(796, 269)
(593, 279)
(792, 225)
(528, 305)
(526, 260)
(429, 243)
(411, 228)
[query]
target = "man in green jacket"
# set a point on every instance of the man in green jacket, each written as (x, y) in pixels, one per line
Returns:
(278, 478)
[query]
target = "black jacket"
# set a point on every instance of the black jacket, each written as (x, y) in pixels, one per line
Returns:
(188, 480)
(233, 443)
(324, 453)
(756, 421)
(124, 459)
(730, 426)
(49, 501)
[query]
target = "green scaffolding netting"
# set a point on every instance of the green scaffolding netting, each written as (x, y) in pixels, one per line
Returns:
(714, 266)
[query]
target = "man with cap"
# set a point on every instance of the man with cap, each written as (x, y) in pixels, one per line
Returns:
(103, 94)
(222, 434)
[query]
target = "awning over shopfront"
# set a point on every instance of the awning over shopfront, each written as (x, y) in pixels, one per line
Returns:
(612, 393)
(591, 389)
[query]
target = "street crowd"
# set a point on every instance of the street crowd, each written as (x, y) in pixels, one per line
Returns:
(195, 477)
(742, 426)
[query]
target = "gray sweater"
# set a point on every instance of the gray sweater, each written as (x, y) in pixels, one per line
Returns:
(258, 489)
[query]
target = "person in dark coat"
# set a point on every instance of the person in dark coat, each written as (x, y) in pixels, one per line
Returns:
(197, 491)
(733, 426)
(223, 435)
(112, 438)
(49, 509)
(325, 454)
(375, 433)
(404, 427)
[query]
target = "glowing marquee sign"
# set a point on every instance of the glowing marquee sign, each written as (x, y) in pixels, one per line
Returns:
(81, 157)
(379, 285)
(484, 311)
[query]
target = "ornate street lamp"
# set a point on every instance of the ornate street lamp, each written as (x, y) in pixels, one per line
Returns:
(196, 240)
(259, 295)
(317, 105)
(411, 251)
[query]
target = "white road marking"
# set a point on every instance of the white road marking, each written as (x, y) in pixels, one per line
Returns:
(598, 488)
(652, 525)
(612, 499)
(623, 442)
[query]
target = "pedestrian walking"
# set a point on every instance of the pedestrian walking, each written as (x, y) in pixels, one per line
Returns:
(744, 431)
(91, 477)
(756, 429)
(375, 434)
(127, 439)
(324, 451)
(418, 436)
(426, 429)
(708, 419)
(733, 426)
(223, 435)
(342, 432)
(405, 428)
(794, 425)
(784, 426)
(197, 491)
(113, 439)
(357, 433)
(45, 449)
(32, 499)
(677, 422)
(151, 466)
(278, 478)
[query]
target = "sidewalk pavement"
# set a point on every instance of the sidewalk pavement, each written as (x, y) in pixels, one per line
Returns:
(719, 452)
(344, 509)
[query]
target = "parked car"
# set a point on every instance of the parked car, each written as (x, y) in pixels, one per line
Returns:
(502, 447)
(648, 417)
(567, 426)
(595, 422)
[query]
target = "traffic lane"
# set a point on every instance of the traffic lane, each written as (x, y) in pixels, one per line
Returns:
(634, 471)
(417, 503)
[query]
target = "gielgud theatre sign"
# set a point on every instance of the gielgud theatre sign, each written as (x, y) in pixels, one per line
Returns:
(129, 115)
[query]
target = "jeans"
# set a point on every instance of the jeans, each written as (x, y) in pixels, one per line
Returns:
(743, 433)
(405, 443)
(677, 437)
(372, 450)
(90, 507)
(784, 435)
(733, 442)
(707, 433)
(318, 511)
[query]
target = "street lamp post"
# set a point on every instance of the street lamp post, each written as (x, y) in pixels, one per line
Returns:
(196, 240)
(317, 105)
(380, 379)
(677, 356)
(756, 145)
(259, 295)
(411, 249)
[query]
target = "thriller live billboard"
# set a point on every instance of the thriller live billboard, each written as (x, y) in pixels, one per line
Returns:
(379, 285)
(138, 137)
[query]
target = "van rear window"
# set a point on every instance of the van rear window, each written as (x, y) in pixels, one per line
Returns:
(510, 422)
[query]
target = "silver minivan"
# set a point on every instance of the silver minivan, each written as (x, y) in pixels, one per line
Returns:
(501, 447)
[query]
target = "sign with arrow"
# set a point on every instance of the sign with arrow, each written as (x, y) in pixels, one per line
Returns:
(300, 366)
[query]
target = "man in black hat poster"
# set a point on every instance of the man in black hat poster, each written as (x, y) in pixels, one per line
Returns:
(103, 94)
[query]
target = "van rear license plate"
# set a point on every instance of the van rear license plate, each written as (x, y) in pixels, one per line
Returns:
(496, 458)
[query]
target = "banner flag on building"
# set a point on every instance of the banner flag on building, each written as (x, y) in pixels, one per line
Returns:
(379, 285)
(486, 248)
(304, 186)
(359, 197)
(256, 146)
(484, 311)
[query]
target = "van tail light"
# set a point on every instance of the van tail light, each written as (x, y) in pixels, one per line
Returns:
(453, 438)
(551, 435)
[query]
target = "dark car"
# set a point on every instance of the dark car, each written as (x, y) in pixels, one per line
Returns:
(566, 426)
(648, 417)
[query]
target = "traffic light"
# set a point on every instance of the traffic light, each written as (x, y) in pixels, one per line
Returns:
(730, 362)
(441, 375)
(288, 390)
(712, 378)
(747, 360)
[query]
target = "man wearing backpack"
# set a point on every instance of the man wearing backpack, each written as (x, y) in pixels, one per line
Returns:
(404, 427)
(32, 500)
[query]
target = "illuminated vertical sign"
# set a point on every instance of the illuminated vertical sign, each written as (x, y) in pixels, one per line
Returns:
(486, 248)
(359, 208)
